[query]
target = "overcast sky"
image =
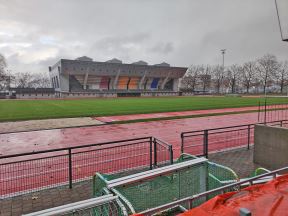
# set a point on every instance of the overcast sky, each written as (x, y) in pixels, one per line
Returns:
(34, 34)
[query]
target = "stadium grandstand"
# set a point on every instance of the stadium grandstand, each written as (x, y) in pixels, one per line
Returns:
(113, 78)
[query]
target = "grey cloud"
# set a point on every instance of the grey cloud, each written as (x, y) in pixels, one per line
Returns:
(180, 32)
(123, 47)
(116, 42)
(163, 48)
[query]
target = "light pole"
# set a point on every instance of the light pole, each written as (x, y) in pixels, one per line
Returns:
(223, 51)
(282, 13)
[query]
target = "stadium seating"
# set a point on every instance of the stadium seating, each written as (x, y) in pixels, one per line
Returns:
(123, 82)
(133, 84)
(154, 84)
(94, 82)
(104, 84)
(80, 79)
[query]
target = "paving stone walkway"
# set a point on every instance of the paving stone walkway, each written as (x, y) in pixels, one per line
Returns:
(239, 160)
(45, 199)
(18, 126)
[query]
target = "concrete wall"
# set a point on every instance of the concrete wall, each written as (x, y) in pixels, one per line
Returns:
(35, 96)
(159, 94)
(87, 95)
(176, 84)
(111, 69)
(54, 74)
(64, 82)
(271, 146)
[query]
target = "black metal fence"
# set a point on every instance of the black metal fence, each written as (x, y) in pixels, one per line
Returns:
(34, 171)
(268, 112)
(203, 142)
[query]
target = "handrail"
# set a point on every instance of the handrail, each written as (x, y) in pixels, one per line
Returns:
(150, 148)
(162, 143)
(203, 135)
(127, 180)
(72, 147)
(228, 127)
(206, 193)
(90, 203)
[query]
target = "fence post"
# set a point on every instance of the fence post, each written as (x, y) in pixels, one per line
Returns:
(70, 168)
(249, 127)
(182, 143)
(155, 151)
(171, 154)
(205, 143)
(259, 111)
(151, 149)
(190, 204)
(265, 111)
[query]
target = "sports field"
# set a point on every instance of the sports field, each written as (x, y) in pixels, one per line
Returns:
(13, 110)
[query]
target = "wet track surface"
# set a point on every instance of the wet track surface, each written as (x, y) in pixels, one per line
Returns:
(108, 119)
(168, 130)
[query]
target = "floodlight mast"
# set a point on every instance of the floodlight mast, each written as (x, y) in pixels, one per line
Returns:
(223, 51)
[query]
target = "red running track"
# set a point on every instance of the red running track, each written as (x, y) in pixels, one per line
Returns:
(42, 173)
(108, 119)
(167, 130)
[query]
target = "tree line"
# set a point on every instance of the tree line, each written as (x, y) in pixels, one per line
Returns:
(23, 79)
(262, 75)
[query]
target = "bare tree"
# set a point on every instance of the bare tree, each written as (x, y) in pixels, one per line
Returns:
(31, 80)
(218, 77)
(281, 75)
(233, 76)
(205, 78)
(248, 74)
(5, 77)
(23, 80)
(191, 78)
(41, 80)
(3, 64)
(266, 67)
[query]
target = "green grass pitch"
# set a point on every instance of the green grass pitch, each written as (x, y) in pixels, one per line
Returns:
(13, 110)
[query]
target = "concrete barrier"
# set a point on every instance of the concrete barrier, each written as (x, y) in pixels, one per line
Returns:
(271, 146)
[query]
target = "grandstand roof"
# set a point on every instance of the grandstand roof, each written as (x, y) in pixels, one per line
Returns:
(114, 60)
(164, 64)
(135, 64)
(140, 63)
(84, 58)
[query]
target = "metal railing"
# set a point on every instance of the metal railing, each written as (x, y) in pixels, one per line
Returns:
(268, 112)
(34, 171)
(203, 142)
(188, 201)
(103, 205)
